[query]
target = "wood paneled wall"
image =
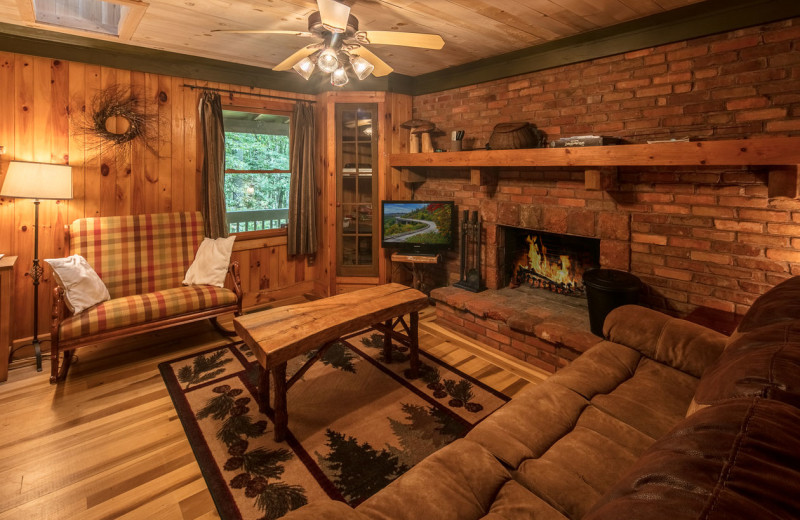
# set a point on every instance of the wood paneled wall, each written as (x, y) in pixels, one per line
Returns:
(40, 101)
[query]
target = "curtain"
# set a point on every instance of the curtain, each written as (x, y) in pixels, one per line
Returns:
(213, 209)
(302, 232)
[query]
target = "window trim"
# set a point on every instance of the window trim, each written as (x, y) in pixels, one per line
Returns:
(265, 106)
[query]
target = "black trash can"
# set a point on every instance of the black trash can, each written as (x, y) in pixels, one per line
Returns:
(607, 289)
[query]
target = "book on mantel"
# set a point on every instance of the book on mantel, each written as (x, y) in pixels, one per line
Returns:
(583, 140)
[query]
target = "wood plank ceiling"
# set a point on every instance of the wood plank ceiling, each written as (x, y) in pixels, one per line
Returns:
(472, 29)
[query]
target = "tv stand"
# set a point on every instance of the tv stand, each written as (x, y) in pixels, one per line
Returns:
(417, 261)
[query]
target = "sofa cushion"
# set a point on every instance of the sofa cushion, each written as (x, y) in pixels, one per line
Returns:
(462, 481)
(764, 362)
(143, 308)
(648, 395)
(571, 437)
(739, 459)
(137, 254)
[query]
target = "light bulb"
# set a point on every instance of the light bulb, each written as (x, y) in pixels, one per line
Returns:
(304, 67)
(328, 61)
(361, 67)
(339, 77)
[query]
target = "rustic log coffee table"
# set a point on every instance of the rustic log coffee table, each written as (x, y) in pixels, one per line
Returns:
(277, 335)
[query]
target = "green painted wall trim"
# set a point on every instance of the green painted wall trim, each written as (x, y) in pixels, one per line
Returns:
(697, 20)
(49, 44)
(708, 17)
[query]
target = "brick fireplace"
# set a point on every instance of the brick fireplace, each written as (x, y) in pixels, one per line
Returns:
(544, 328)
(701, 239)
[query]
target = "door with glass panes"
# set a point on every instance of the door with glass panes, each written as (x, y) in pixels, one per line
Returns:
(356, 190)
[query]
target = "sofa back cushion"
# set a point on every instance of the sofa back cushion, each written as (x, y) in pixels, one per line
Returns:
(736, 460)
(677, 343)
(137, 254)
(764, 362)
(778, 305)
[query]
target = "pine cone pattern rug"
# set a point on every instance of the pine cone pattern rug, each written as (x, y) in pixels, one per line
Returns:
(355, 423)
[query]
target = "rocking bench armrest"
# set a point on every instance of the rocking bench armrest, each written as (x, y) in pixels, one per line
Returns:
(236, 283)
(60, 311)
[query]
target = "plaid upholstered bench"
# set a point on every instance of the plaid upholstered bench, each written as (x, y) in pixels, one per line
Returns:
(142, 259)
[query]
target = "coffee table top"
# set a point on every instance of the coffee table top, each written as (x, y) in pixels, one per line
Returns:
(277, 335)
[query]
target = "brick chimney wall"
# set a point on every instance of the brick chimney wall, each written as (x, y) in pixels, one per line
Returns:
(697, 237)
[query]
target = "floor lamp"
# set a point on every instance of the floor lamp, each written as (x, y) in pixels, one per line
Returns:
(37, 181)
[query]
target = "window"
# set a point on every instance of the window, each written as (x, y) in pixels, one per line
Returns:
(256, 170)
(118, 18)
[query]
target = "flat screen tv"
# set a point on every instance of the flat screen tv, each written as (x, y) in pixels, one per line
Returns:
(417, 227)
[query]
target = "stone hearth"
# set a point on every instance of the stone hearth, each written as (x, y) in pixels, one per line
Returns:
(542, 328)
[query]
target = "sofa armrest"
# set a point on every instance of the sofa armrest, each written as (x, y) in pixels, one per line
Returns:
(681, 344)
(327, 509)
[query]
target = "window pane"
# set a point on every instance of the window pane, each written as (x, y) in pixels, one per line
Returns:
(255, 141)
(256, 201)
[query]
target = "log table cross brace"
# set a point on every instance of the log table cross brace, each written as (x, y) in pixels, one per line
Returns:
(277, 335)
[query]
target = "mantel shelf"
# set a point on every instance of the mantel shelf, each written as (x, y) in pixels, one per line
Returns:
(781, 153)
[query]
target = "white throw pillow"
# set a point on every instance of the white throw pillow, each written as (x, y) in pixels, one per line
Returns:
(82, 287)
(211, 262)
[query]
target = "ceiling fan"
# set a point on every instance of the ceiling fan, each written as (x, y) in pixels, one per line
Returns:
(343, 45)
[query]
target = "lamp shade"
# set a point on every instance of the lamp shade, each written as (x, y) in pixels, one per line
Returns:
(30, 180)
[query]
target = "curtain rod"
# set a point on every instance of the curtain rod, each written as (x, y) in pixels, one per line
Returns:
(212, 89)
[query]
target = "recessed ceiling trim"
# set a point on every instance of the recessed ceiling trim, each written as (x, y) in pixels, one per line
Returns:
(86, 19)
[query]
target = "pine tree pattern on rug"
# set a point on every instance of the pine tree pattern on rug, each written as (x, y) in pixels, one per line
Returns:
(356, 423)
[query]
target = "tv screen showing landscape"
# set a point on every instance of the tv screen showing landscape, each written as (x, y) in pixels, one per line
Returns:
(417, 226)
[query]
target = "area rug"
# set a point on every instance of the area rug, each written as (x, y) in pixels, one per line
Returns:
(355, 423)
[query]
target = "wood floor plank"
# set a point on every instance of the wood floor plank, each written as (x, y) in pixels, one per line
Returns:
(107, 444)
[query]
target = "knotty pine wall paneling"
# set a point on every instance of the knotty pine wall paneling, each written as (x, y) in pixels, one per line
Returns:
(40, 99)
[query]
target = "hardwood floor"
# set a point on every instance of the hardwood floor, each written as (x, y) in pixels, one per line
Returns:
(107, 443)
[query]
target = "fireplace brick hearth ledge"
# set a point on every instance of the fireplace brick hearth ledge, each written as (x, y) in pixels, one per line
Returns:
(544, 329)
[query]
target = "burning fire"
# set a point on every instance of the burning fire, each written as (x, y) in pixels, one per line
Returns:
(539, 270)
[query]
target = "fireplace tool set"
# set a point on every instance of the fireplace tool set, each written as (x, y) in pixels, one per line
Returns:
(470, 278)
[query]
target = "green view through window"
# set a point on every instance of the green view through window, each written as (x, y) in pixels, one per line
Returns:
(256, 170)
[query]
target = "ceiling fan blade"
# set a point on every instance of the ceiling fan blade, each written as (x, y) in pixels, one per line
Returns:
(289, 62)
(334, 14)
(421, 40)
(304, 34)
(381, 68)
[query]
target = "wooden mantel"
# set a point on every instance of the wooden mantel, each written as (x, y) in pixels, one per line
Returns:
(600, 162)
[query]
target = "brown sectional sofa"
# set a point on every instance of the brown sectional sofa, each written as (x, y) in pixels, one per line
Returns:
(609, 437)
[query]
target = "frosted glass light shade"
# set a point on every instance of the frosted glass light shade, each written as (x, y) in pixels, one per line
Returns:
(339, 77)
(30, 180)
(328, 61)
(361, 67)
(304, 67)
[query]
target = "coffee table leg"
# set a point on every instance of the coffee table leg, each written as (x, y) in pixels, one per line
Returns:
(387, 343)
(263, 390)
(413, 336)
(281, 413)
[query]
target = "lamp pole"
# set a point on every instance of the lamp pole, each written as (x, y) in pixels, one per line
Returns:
(36, 275)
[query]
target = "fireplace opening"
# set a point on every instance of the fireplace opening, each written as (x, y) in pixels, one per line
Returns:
(549, 261)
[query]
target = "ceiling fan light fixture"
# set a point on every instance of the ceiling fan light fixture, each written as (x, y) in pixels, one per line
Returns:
(304, 67)
(361, 67)
(328, 60)
(339, 77)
